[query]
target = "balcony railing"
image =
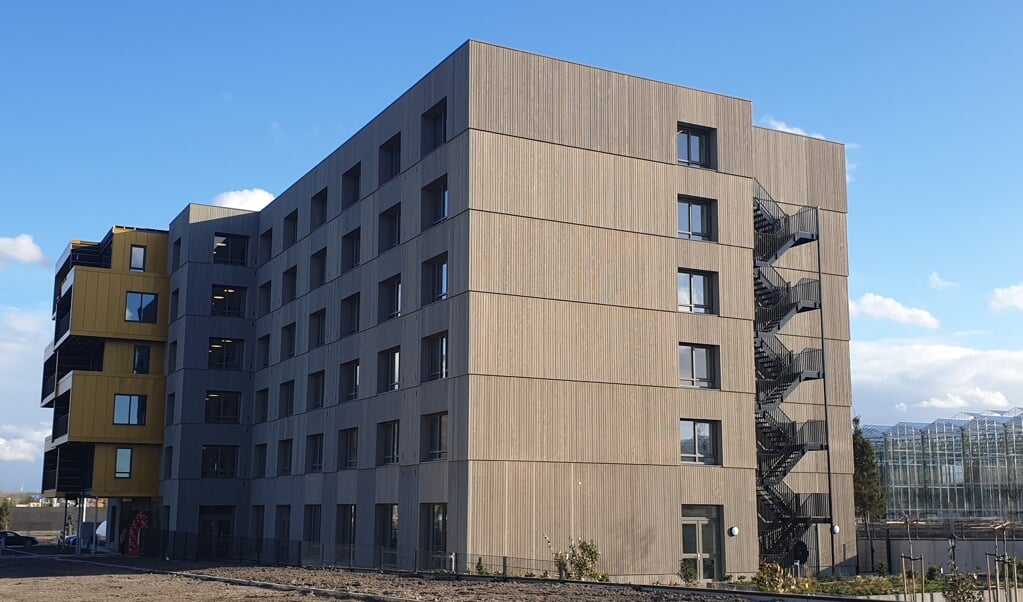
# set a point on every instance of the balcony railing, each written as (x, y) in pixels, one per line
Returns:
(49, 385)
(63, 325)
(60, 426)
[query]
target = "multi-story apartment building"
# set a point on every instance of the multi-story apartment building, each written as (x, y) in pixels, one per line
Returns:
(531, 299)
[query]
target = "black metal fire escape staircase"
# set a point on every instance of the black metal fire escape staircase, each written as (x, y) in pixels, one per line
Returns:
(785, 516)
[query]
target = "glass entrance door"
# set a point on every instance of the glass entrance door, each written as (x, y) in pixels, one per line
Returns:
(701, 541)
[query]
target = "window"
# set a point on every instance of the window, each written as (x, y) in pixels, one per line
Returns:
(140, 364)
(258, 518)
(317, 328)
(435, 357)
(227, 300)
(701, 541)
(264, 297)
(223, 406)
(288, 341)
(434, 527)
(347, 449)
(390, 158)
(311, 524)
(262, 405)
(138, 259)
(282, 526)
(314, 453)
(390, 227)
(129, 409)
(697, 366)
(695, 218)
(435, 126)
(349, 378)
(387, 443)
(286, 399)
(317, 268)
(122, 463)
(225, 353)
(168, 462)
(435, 279)
(259, 461)
(173, 305)
(266, 246)
(695, 292)
(289, 284)
(219, 461)
(290, 228)
(350, 249)
(435, 202)
(176, 254)
(388, 365)
(350, 315)
(387, 528)
(263, 350)
(229, 248)
(435, 437)
(698, 441)
(390, 299)
(140, 307)
(345, 525)
(169, 419)
(284, 457)
(172, 356)
(350, 186)
(314, 390)
(318, 209)
(695, 146)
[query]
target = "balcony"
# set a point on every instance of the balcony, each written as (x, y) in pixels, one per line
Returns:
(60, 425)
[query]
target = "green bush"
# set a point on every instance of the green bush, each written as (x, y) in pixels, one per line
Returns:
(579, 562)
(960, 587)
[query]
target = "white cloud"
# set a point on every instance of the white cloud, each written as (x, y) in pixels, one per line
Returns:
(22, 443)
(939, 283)
(22, 249)
(252, 199)
(850, 167)
(781, 126)
(886, 308)
(928, 380)
(1007, 298)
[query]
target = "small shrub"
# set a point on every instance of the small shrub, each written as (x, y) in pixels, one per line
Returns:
(959, 587)
(773, 578)
(480, 568)
(882, 568)
(579, 562)
(687, 572)
(933, 573)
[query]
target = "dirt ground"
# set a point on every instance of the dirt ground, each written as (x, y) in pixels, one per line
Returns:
(42, 576)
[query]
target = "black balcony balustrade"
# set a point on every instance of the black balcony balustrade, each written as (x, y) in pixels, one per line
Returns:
(60, 425)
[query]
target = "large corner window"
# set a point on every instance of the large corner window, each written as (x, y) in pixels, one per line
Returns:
(697, 366)
(129, 409)
(435, 357)
(140, 307)
(434, 437)
(223, 407)
(695, 146)
(219, 461)
(388, 369)
(695, 292)
(695, 218)
(435, 279)
(227, 300)
(230, 248)
(225, 353)
(387, 443)
(699, 441)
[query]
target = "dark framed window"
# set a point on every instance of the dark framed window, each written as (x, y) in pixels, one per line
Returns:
(351, 244)
(284, 457)
(699, 441)
(140, 362)
(129, 409)
(349, 380)
(695, 146)
(311, 523)
(348, 449)
(434, 527)
(262, 405)
(263, 350)
(288, 334)
(223, 406)
(695, 218)
(351, 188)
(317, 328)
(435, 126)
(227, 300)
(140, 307)
(436, 207)
(318, 268)
(389, 298)
(314, 453)
(435, 437)
(231, 249)
(175, 254)
(168, 462)
(345, 525)
(122, 463)
(290, 228)
(219, 461)
(259, 461)
(350, 315)
(696, 292)
(387, 443)
(266, 245)
(390, 158)
(435, 357)
(265, 290)
(697, 366)
(289, 284)
(435, 279)
(314, 390)
(225, 354)
(390, 227)
(286, 399)
(173, 313)
(138, 258)
(389, 369)
(318, 209)
(386, 535)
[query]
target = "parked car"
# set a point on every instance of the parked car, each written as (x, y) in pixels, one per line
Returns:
(14, 539)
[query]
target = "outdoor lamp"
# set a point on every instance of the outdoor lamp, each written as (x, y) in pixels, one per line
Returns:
(733, 531)
(835, 529)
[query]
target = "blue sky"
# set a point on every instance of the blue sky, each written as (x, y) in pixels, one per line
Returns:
(124, 113)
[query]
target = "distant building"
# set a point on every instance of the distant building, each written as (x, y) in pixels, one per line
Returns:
(529, 298)
(969, 466)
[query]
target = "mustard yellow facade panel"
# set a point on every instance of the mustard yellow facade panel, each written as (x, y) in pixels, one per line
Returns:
(98, 304)
(145, 472)
(92, 408)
